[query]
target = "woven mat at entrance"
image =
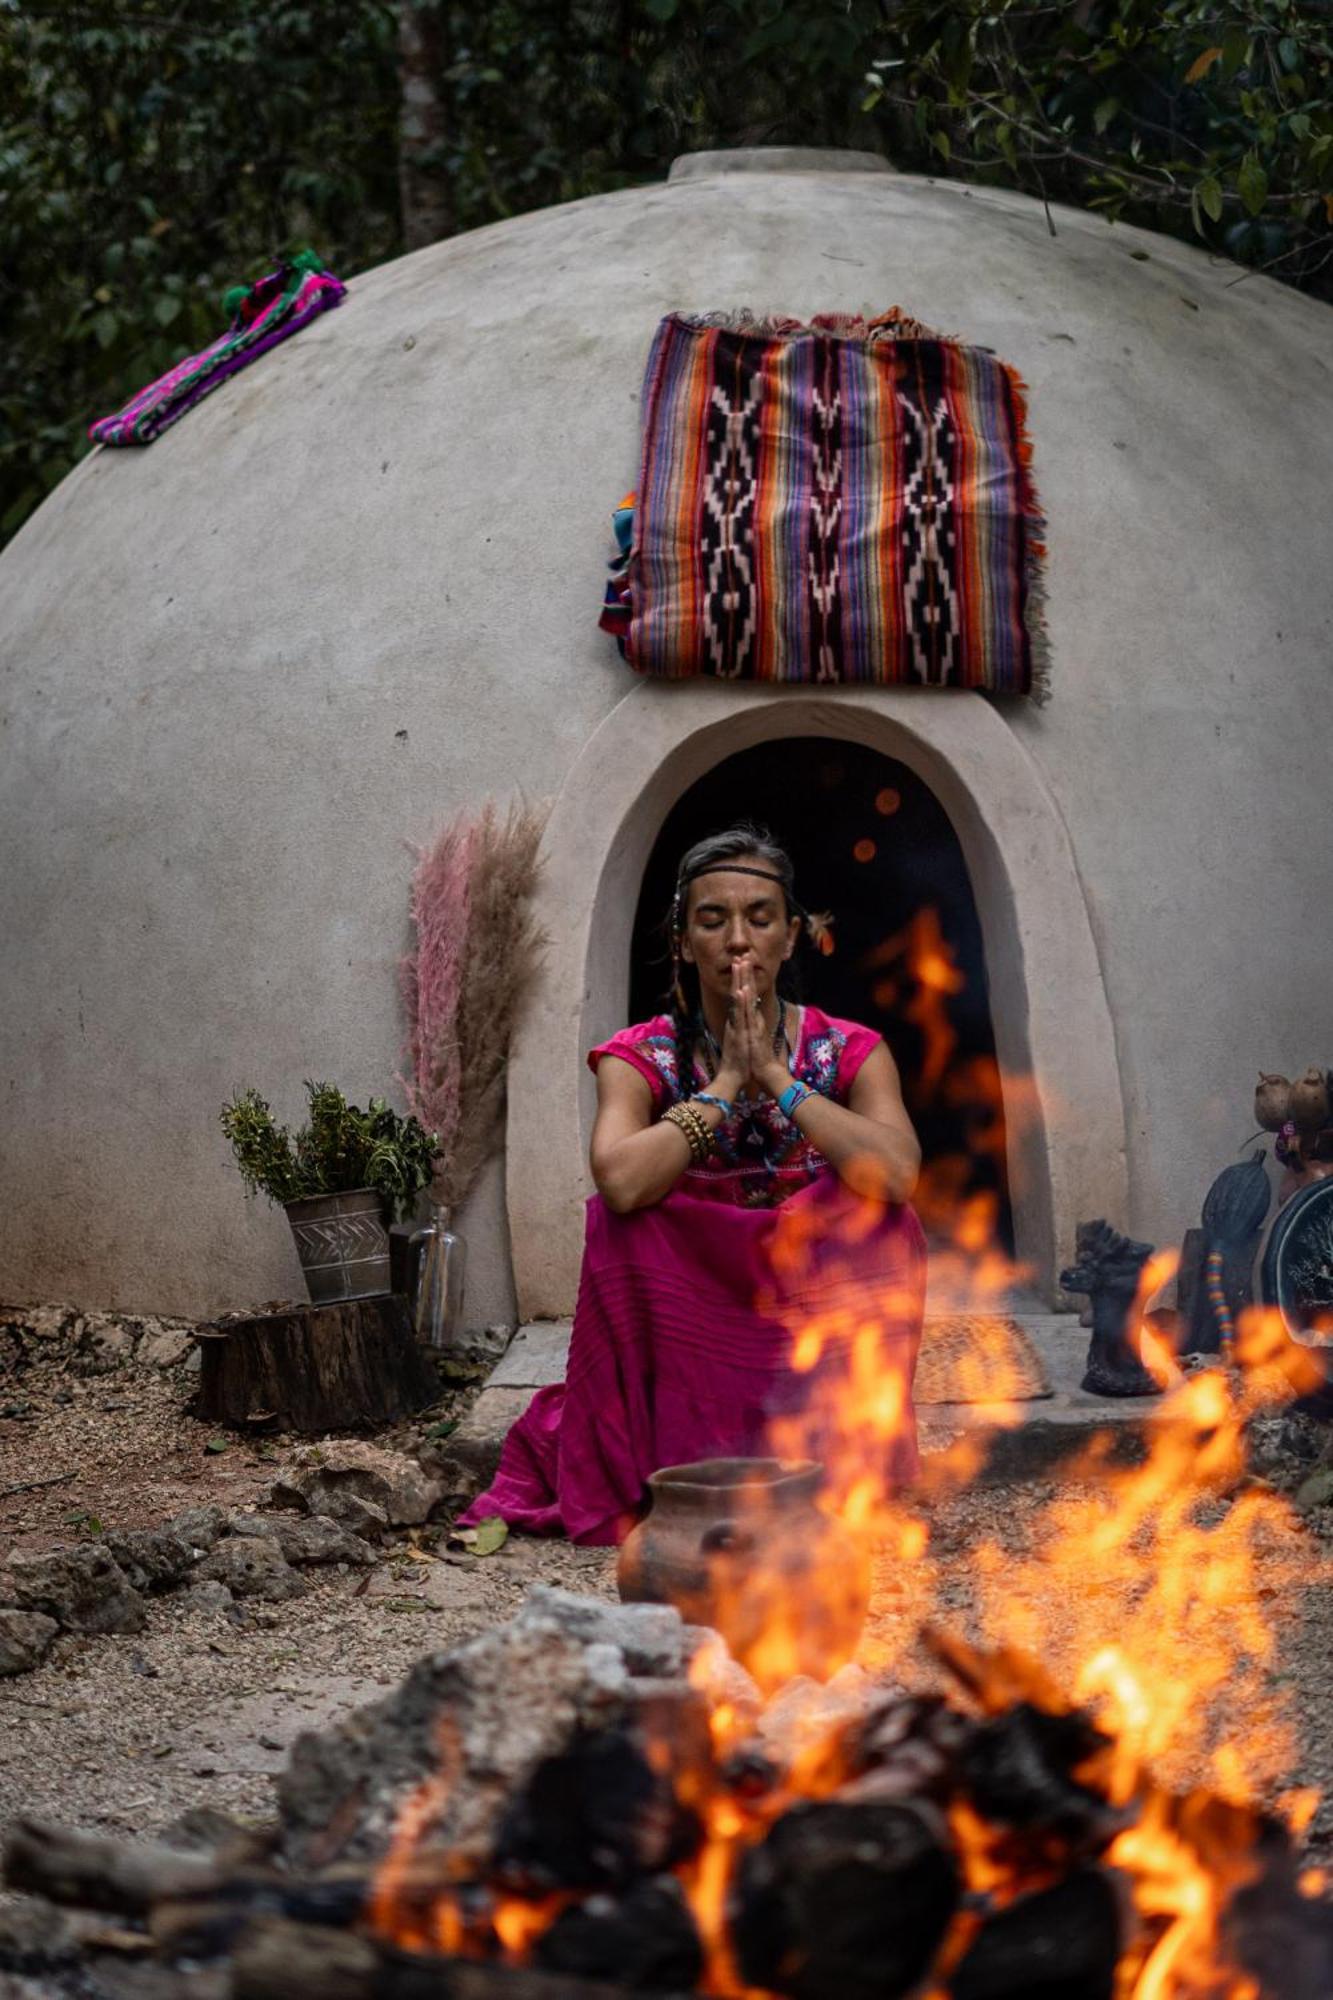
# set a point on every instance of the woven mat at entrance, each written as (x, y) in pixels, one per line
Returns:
(977, 1358)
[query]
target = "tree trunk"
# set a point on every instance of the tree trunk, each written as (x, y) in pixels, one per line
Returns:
(423, 187)
(349, 1366)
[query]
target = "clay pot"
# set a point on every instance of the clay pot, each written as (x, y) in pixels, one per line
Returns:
(739, 1544)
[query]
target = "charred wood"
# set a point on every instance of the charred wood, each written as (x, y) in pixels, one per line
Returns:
(1018, 1768)
(852, 1900)
(1063, 1943)
(647, 1940)
(84, 1872)
(596, 1816)
(276, 1960)
(909, 1748)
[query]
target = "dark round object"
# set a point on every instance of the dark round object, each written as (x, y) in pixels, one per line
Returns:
(845, 1901)
(1296, 1275)
(645, 1943)
(1237, 1202)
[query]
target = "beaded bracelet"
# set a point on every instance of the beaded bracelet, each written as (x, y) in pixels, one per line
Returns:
(793, 1097)
(707, 1097)
(698, 1137)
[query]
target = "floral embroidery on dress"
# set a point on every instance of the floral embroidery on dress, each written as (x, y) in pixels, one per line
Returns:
(759, 1154)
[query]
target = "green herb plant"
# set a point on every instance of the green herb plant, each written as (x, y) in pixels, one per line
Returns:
(339, 1148)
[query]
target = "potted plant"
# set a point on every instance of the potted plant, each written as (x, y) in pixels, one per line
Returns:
(342, 1179)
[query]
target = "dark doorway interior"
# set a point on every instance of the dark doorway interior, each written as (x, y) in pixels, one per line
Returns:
(871, 843)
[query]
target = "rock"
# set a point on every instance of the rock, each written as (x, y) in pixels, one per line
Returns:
(1285, 1445)
(168, 1347)
(346, 1478)
(358, 1516)
(83, 1588)
(24, 1637)
(213, 1598)
(805, 1711)
(1316, 1491)
(204, 1830)
(252, 1566)
(201, 1527)
(101, 1346)
(311, 1538)
(722, 1681)
(498, 1705)
(152, 1558)
(649, 1636)
(34, 1937)
(464, 1463)
(41, 1322)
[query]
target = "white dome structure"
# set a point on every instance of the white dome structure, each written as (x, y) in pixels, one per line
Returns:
(357, 589)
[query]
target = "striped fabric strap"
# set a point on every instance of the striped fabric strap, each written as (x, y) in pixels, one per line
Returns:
(793, 1097)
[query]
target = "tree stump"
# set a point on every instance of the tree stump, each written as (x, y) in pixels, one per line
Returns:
(353, 1365)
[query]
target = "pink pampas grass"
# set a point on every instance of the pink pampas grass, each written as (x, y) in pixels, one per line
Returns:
(464, 982)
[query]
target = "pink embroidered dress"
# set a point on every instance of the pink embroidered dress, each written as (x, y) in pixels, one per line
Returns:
(689, 1310)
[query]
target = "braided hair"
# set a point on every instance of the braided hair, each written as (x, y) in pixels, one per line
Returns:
(716, 851)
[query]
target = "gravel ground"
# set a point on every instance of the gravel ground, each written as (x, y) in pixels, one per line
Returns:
(126, 1733)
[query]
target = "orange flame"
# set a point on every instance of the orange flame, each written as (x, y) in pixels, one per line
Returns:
(934, 978)
(1150, 1593)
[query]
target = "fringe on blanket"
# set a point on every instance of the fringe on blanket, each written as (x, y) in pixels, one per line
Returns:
(894, 324)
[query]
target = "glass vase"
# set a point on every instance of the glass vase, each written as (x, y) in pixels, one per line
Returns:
(440, 1255)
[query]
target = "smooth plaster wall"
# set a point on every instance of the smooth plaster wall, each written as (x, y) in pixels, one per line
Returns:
(358, 588)
(1064, 1120)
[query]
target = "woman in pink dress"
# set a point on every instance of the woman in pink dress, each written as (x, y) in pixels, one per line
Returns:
(749, 1243)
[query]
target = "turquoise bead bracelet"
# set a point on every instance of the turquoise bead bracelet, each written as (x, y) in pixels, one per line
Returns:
(793, 1097)
(707, 1097)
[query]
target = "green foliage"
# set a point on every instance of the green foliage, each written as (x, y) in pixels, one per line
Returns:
(339, 1148)
(1203, 120)
(148, 159)
(263, 1148)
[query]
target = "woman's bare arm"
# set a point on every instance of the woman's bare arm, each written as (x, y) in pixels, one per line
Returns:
(869, 1141)
(634, 1161)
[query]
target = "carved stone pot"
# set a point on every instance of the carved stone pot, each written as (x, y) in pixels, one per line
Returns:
(739, 1544)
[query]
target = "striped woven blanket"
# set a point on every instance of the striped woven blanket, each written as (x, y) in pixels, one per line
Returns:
(848, 500)
(262, 314)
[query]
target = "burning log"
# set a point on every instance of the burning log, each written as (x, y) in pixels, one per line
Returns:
(528, 1817)
(647, 1939)
(1063, 1943)
(1018, 1769)
(596, 1816)
(852, 1900)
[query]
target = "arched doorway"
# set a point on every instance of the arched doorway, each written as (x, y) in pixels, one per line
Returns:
(871, 842)
(1066, 1150)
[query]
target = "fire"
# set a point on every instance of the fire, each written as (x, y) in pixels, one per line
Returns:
(1148, 1593)
(933, 978)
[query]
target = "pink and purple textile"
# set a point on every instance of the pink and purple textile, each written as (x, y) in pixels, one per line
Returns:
(691, 1312)
(843, 500)
(273, 309)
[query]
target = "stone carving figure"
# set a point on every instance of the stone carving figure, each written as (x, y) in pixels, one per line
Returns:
(1108, 1267)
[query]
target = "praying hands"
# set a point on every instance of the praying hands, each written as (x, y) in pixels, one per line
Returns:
(750, 1062)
